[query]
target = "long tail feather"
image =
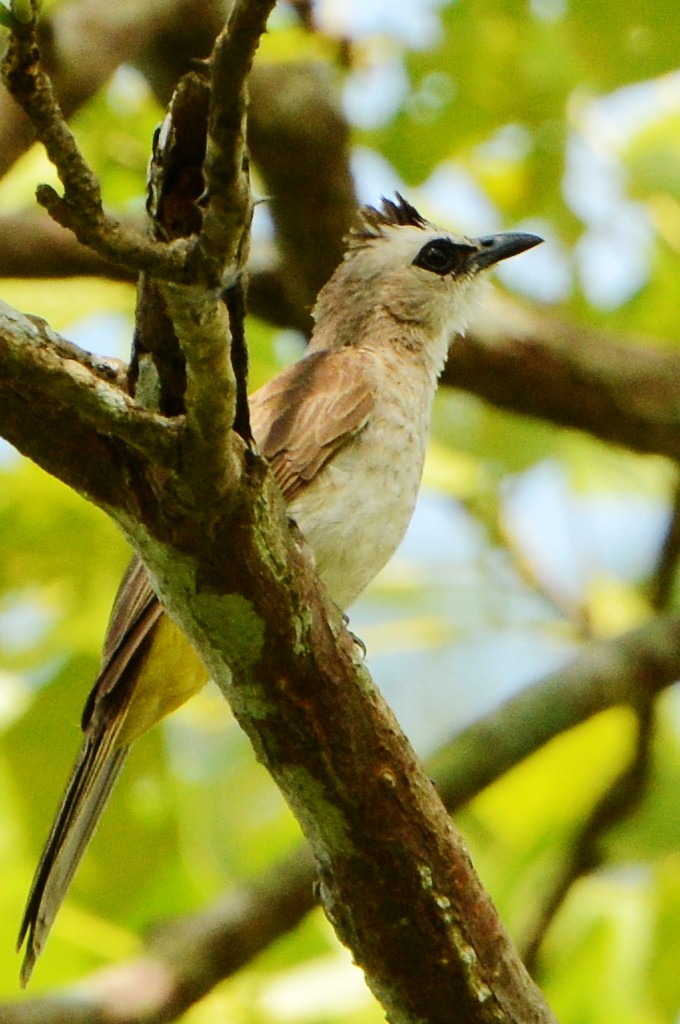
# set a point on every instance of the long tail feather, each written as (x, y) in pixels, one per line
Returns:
(85, 796)
(135, 616)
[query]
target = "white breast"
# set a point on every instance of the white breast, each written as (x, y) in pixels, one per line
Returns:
(355, 513)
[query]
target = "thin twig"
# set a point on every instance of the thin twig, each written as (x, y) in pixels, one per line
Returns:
(226, 221)
(80, 209)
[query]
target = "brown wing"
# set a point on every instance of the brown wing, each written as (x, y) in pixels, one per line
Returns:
(305, 415)
(135, 612)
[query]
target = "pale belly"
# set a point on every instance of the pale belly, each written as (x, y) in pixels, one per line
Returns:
(356, 516)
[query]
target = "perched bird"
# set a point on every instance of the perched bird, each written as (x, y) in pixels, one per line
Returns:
(345, 430)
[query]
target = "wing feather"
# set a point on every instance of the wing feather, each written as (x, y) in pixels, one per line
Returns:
(135, 612)
(304, 416)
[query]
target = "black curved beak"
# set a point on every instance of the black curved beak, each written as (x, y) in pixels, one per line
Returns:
(494, 248)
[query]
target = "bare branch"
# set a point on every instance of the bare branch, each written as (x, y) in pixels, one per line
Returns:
(159, 36)
(227, 216)
(36, 361)
(81, 208)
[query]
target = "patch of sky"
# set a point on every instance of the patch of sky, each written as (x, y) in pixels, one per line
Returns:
(416, 23)
(8, 453)
(439, 691)
(374, 176)
(543, 274)
(289, 346)
(373, 93)
(569, 539)
(453, 198)
(614, 262)
(262, 228)
(23, 622)
(107, 334)
(615, 118)
(512, 142)
(13, 698)
(614, 254)
(548, 10)
(128, 90)
(459, 536)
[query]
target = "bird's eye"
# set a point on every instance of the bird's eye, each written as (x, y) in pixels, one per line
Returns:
(442, 256)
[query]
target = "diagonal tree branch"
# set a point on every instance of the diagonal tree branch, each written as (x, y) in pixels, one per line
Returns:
(32, 355)
(52, 390)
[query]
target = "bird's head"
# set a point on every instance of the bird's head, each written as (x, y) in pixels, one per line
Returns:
(400, 266)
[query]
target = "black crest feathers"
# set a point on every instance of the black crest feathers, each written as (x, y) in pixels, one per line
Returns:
(391, 214)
